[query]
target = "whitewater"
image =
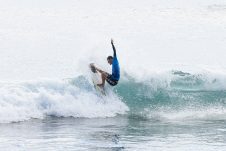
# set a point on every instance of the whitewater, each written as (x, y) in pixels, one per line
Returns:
(172, 91)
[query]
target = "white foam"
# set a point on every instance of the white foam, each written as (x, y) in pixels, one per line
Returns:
(23, 101)
(214, 112)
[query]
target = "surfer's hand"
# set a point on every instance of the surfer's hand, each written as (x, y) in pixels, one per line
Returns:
(112, 42)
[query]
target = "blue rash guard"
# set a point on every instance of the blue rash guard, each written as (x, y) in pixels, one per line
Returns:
(115, 66)
(115, 69)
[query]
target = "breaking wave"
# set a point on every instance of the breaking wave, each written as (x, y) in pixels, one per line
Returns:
(174, 95)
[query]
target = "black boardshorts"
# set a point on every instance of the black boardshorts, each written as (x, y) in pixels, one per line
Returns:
(111, 81)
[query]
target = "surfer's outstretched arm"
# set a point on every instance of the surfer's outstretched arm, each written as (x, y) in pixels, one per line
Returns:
(112, 43)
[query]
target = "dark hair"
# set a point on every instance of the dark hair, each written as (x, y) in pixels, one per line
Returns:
(109, 57)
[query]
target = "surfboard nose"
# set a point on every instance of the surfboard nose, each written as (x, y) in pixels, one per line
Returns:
(92, 67)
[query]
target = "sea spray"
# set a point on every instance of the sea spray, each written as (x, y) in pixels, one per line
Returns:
(26, 100)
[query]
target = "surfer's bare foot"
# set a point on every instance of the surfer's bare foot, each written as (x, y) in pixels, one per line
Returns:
(100, 85)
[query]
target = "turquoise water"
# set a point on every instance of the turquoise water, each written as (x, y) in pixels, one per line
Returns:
(183, 112)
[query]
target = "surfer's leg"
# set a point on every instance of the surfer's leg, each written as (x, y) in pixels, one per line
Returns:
(104, 76)
(99, 70)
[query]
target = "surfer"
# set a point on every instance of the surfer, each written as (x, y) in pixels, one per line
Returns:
(113, 78)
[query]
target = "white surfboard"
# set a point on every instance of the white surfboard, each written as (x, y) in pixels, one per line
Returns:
(96, 79)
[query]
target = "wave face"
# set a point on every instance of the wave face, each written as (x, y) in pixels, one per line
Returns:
(176, 95)
(173, 95)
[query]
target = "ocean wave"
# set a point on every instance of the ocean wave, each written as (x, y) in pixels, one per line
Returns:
(175, 95)
(170, 95)
(26, 100)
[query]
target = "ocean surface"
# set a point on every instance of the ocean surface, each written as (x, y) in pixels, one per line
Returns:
(172, 91)
(186, 112)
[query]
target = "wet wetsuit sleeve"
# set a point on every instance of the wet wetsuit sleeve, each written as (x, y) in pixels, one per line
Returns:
(114, 50)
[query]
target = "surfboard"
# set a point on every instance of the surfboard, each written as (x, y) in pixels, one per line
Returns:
(96, 79)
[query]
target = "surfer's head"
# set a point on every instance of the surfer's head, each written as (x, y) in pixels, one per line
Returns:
(109, 59)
